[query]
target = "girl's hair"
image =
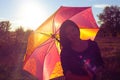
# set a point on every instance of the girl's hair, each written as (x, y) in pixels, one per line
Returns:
(64, 41)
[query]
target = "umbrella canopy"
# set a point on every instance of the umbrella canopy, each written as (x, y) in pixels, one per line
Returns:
(42, 57)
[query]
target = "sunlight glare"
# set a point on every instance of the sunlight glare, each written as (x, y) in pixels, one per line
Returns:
(31, 14)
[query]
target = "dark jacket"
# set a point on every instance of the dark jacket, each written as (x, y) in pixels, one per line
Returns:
(71, 60)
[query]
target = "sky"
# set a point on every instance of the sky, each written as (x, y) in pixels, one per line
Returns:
(30, 14)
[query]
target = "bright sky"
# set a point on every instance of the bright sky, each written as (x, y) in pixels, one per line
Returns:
(32, 13)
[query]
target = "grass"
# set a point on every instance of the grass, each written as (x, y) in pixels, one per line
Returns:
(11, 64)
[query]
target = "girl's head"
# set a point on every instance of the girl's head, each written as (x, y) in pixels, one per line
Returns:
(69, 33)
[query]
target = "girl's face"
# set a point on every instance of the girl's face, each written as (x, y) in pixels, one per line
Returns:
(72, 33)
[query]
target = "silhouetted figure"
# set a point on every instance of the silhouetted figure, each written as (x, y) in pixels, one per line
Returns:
(80, 59)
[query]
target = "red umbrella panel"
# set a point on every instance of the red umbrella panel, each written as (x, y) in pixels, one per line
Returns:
(42, 57)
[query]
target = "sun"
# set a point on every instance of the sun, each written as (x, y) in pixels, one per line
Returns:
(31, 14)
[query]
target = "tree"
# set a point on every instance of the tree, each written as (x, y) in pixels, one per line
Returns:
(20, 34)
(5, 42)
(5, 26)
(4, 32)
(110, 20)
(4, 29)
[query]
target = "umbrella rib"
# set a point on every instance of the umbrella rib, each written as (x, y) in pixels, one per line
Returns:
(43, 44)
(50, 35)
(51, 45)
(44, 33)
(53, 25)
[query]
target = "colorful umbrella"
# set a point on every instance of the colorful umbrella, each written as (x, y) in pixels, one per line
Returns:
(42, 57)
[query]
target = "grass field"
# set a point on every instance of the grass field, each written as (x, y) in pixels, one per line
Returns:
(11, 64)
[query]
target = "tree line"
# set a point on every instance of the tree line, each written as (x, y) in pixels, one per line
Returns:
(12, 49)
(10, 41)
